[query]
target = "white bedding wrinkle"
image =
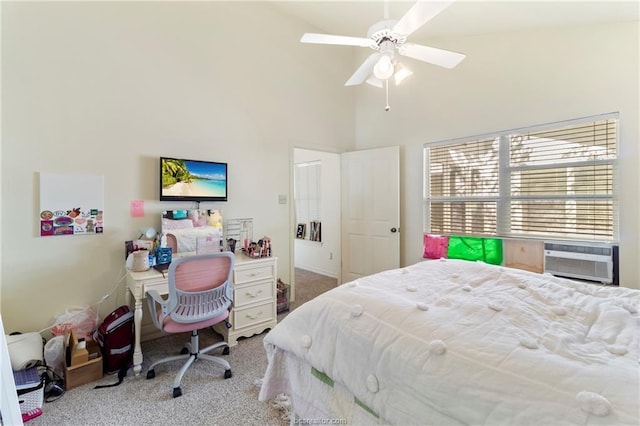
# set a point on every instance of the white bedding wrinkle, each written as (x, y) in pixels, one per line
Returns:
(466, 343)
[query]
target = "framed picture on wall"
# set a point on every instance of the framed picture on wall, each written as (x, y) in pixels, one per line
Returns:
(315, 233)
(300, 232)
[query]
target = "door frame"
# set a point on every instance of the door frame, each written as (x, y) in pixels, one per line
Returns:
(292, 215)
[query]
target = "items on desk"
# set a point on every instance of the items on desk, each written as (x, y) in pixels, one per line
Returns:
(231, 245)
(147, 251)
(163, 255)
(262, 248)
(138, 261)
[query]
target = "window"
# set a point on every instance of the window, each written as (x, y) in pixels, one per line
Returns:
(551, 181)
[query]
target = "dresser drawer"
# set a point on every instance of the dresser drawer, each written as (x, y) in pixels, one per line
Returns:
(253, 293)
(245, 275)
(251, 316)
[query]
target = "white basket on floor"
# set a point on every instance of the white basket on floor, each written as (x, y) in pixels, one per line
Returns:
(31, 398)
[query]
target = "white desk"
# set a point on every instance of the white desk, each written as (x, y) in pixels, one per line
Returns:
(254, 306)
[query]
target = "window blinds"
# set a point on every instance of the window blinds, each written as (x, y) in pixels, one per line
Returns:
(463, 187)
(557, 181)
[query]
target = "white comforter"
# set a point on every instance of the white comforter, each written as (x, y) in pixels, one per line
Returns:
(476, 343)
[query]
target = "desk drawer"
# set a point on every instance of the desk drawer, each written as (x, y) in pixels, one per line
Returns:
(245, 275)
(253, 293)
(251, 316)
(161, 287)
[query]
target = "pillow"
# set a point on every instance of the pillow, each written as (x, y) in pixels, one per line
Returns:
(170, 224)
(435, 246)
(201, 221)
(175, 214)
(465, 248)
(198, 219)
(488, 250)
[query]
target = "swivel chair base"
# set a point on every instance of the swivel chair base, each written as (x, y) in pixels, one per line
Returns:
(191, 353)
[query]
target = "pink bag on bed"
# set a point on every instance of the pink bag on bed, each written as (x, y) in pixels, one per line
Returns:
(435, 246)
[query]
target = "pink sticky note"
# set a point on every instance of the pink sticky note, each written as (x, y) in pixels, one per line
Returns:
(137, 208)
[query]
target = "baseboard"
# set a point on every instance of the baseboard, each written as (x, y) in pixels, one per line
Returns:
(318, 271)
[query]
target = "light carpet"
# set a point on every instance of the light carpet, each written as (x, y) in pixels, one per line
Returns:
(208, 399)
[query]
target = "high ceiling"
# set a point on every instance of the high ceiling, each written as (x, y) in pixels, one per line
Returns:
(463, 17)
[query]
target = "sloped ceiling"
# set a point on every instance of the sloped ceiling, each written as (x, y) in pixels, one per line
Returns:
(463, 17)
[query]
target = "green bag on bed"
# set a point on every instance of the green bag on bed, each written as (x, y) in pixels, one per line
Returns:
(488, 250)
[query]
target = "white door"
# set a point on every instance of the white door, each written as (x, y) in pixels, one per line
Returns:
(370, 212)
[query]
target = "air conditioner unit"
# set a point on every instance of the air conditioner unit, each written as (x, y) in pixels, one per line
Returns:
(593, 262)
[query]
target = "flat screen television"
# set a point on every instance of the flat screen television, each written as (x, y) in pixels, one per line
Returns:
(192, 180)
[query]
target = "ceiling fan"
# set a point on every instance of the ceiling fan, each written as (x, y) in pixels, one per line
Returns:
(389, 37)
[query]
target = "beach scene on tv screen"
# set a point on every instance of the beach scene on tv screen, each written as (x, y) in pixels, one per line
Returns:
(184, 178)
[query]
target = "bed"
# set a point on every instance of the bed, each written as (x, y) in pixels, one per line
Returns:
(455, 342)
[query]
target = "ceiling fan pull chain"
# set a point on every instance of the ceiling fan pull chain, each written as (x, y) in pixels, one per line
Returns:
(386, 89)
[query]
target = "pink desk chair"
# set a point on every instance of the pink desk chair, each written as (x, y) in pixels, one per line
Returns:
(200, 295)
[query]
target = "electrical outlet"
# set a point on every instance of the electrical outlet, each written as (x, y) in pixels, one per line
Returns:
(282, 199)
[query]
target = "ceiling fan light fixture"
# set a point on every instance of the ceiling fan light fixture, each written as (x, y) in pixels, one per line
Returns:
(388, 38)
(401, 73)
(383, 68)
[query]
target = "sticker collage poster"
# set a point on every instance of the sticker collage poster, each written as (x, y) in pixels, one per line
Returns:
(71, 204)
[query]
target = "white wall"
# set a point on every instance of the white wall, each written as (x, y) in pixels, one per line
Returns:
(323, 258)
(509, 81)
(108, 87)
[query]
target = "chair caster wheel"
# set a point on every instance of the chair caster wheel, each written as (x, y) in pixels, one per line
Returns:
(226, 350)
(184, 351)
(177, 392)
(228, 374)
(151, 374)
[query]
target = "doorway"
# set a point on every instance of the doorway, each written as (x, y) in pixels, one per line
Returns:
(316, 212)
(359, 214)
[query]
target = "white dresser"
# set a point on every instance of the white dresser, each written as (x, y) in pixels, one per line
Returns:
(254, 300)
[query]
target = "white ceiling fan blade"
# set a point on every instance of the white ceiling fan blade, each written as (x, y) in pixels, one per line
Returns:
(419, 14)
(432, 55)
(375, 82)
(336, 39)
(364, 71)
